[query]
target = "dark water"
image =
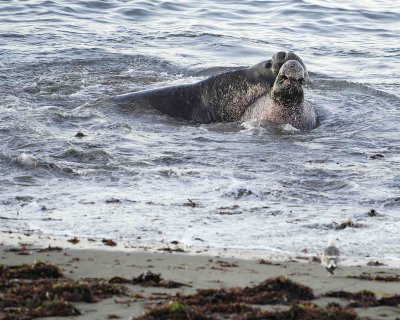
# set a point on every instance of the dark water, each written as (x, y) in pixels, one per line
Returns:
(255, 185)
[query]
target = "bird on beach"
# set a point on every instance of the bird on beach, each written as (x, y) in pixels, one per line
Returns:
(330, 256)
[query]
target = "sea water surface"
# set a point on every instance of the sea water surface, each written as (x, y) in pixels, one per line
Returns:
(251, 185)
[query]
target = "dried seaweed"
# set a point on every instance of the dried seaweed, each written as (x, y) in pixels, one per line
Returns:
(279, 290)
(74, 240)
(39, 291)
(56, 307)
(237, 304)
(178, 311)
(119, 280)
(369, 277)
(268, 262)
(224, 264)
(365, 298)
(170, 250)
(148, 279)
(310, 312)
(48, 308)
(37, 270)
(21, 251)
(375, 263)
(389, 301)
(174, 311)
(50, 249)
(109, 242)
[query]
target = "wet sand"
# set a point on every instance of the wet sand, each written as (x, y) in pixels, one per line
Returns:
(198, 271)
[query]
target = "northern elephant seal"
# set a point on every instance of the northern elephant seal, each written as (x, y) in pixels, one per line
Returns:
(285, 104)
(221, 98)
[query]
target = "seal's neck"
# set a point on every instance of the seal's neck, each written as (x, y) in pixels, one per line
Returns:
(289, 108)
(289, 101)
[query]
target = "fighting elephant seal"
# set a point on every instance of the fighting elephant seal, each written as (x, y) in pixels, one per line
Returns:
(285, 104)
(220, 98)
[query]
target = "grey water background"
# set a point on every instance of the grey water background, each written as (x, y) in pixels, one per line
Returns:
(254, 185)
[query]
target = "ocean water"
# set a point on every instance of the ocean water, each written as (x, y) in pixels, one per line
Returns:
(149, 178)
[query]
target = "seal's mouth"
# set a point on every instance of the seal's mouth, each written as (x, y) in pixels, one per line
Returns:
(288, 92)
(292, 81)
(288, 87)
(291, 88)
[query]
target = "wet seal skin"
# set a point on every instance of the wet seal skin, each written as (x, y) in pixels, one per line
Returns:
(285, 103)
(221, 98)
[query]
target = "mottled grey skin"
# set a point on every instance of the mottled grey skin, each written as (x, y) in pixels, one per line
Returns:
(281, 57)
(285, 102)
(220, 98)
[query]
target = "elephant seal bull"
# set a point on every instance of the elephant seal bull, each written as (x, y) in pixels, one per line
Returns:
(221, 98)
(285, 104)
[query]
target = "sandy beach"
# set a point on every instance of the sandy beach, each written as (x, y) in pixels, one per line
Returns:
(183, 274)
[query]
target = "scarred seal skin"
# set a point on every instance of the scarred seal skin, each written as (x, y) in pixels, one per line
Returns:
(285, 103)
(221, 98)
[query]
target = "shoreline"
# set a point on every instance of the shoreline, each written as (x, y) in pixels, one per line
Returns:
(195, 271)
(10, 238)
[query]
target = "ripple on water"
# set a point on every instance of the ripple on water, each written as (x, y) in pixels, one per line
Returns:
(84, 156)
(58, 81)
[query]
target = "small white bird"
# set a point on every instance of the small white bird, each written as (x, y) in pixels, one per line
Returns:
(330, 256)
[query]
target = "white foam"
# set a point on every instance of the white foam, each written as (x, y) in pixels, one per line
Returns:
(45, 240)
(288, 128)
(27, 160)
(253, 127)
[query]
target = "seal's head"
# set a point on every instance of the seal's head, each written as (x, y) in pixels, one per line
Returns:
(268, 70)
(288, 87)
(282, 57)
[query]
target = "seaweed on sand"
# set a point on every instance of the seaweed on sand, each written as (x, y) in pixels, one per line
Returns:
(32, 295)
(369, 277)
(279, 290)
(109, 242)
(37, 270)
(149, 279)
(233, 303)
(365, 298)
(179, 311)
(56, 307)
(310, 312)
(48, 308)
(38, 290)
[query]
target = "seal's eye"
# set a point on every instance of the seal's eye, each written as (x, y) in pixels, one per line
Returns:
(268, 65)
(301, 81)
(284, 78)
